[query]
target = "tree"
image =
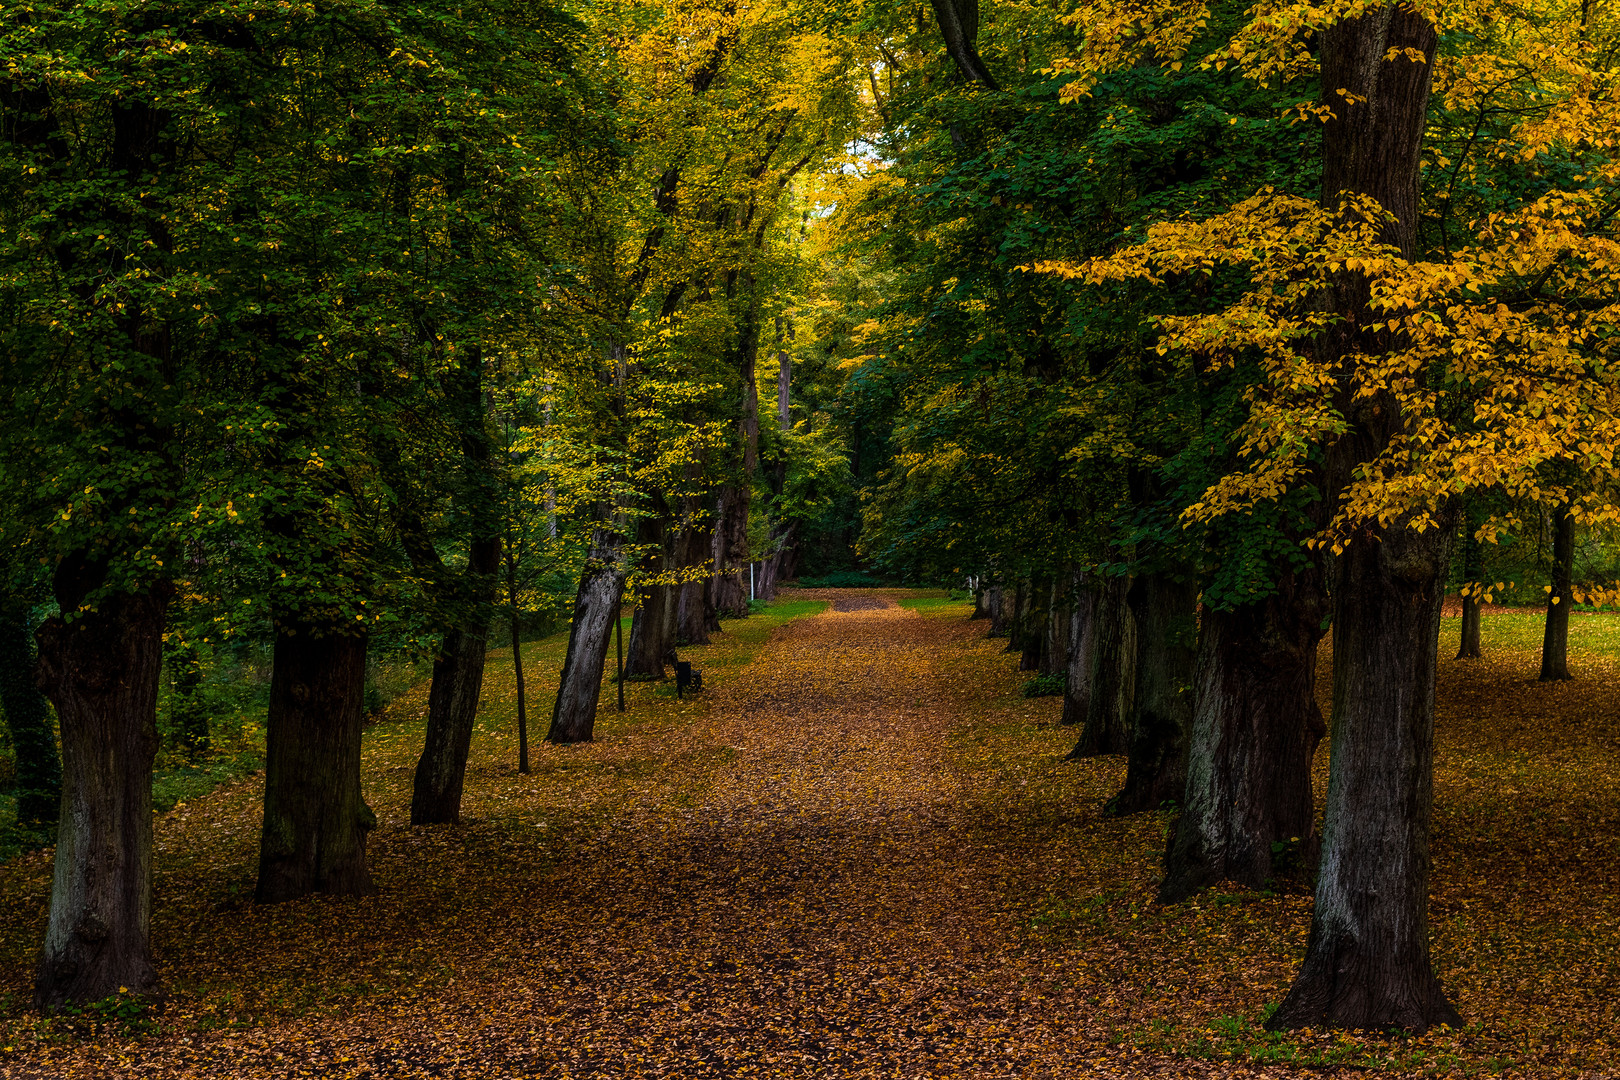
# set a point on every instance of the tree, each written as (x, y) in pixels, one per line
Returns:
(1555, 641)
(1365, 351)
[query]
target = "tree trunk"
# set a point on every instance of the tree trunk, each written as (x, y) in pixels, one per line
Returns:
(458, 683)
(996, 600)
(516, 617)
(1256, 726)
(1032, 624)
(652, 627)
(1468, 643)
(315, 818)
(692, 614)
(522, 703)
(1367, 963)
(1055, 648)
(1165, 612)
(729, 585)
(1017, 604)
(771, 571)
(28, 716)
(1082, 645)
(959, 25)
(651, 634)
(596, 609)
(981, 601)
(1468, 647)
(101, 671)
(1555, 639)
(1111, 677)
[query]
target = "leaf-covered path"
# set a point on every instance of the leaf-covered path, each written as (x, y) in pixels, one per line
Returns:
(792, 882)
(857, 855)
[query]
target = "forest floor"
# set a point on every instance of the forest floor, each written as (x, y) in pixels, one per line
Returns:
(857, 853)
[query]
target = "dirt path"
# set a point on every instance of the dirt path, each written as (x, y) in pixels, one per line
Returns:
(828, 897)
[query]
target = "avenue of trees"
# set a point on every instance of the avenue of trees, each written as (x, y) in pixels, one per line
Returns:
(1184, 332)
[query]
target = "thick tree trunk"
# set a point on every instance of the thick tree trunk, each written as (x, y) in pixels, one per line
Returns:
(101, 671)
(458, 683)
(596, 609)
(651, 633)
(1555, 639)
(28, 717)
(772, 570)
(1111, 677)
(1367, 963)
(1017, 603)
(728, 588)
(997, 601)
(1082, 644)
(1256, 726)
(652, 627)
(315, 818)
(1055, 648)
(981, 601)
(1032, 624)
(693, 616)
(1165, 612)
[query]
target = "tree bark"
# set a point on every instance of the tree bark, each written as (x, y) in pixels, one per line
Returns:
(1468, 647)
(28, 717)
(522, 703)
(1032, 624)
(959, 25)
(997, 602)
(101, 671)
(728, 588)
(1255, 729)
(1017, 604)
(1555, 638)
(693, 616)
(1082, 644)
(315, 818)
(651, 633)
(1367, 962)
(1055, 648)
(1164, 608)
(981, 601)
(652, 628)
(596, 609)
(458, 683)
(1111, 676)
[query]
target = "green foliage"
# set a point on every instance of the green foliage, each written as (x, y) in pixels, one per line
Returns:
(843, 579)
(1046, 685)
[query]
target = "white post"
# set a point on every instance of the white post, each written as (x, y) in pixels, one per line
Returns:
(750, 581)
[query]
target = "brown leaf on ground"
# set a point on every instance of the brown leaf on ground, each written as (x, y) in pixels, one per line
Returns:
(858, 854)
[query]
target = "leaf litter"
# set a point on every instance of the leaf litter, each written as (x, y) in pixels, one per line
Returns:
(858, 854)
